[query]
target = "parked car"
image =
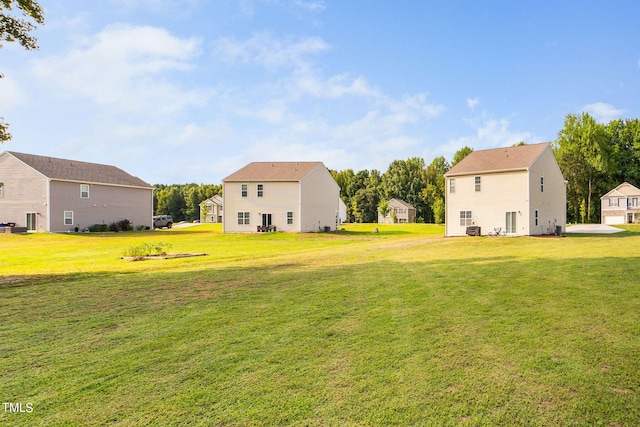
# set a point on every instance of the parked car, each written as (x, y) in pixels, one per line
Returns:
(161, 221)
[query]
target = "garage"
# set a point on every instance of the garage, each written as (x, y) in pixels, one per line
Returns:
(610, 220)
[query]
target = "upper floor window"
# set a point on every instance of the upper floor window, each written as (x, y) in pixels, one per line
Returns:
(478, 183)
(613, 202)
(260, 190)
(1, 189)
(542, 184)
(84, 191)
(244, 190)
(452, 185)
(633, 203)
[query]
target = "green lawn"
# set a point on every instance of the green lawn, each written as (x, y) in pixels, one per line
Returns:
(401, 327)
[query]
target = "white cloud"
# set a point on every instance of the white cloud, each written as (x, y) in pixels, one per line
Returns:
(603, 112)
(123, 67)
(12, 94)
(267, 51)
(473, 102)
(313, 6)
(489, 133)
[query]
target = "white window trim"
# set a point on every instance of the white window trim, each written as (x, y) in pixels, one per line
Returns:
(244, 190)
(82, 187)
(244, 218)
(1, 189)
(65, 218)
(290, 218)
(477, 181)
(452, 185)
(260, 190)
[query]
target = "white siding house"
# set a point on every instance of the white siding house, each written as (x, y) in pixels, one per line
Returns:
(290, 196)
(620, 205)
(514, 190)
(58, 195)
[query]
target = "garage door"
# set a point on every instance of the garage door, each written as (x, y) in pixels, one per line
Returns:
(614, 219)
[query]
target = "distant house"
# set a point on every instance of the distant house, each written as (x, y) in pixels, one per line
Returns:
(49, 194)
(399, 211)
(620, 205)
(211, 209)
(287, 196)
(515, 190)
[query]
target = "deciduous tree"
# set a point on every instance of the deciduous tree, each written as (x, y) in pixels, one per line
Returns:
(17, 29)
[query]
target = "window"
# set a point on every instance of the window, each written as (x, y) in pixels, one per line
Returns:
(510, 223)
(244, 190)
(613, 202)
(243, 218)
(84, 191)
(452, 185)
(68, 217)
(1, 189)
(260, 189)
(465, 218)
(542, 184)
(633, 203)
(477, 180)
(535, 217)
(289, 218)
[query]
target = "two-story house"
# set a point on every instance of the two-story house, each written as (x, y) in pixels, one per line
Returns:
(287, 196)
(516, 190)
(211, 209)
(399, 211)
(45, 193)
(620, 205)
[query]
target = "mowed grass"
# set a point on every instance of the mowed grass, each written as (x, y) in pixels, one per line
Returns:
(401, 327)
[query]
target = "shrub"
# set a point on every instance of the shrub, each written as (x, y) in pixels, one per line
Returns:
(145, 249)
(124, 225)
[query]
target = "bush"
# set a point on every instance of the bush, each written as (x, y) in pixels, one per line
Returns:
(98, 228)
(124, 225)
(145, 249)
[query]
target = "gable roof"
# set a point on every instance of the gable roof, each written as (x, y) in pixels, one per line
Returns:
(214, 200)
(520, 157)
(624, 189)
(400, 203)
(73, 170)
(273, 171)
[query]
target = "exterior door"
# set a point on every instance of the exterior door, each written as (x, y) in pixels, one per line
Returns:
(31, 221)
(510, 223)
(266, 220)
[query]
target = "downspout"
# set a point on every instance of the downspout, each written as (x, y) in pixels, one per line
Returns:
(48, 209)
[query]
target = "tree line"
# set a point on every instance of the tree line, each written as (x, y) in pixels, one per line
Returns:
(182, 201)
(594, 158)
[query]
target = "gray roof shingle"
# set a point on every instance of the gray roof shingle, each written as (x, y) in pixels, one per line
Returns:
(73, 170)
(520, 157)
(273, 171)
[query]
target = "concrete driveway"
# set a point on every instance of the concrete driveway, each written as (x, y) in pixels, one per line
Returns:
(593, 229)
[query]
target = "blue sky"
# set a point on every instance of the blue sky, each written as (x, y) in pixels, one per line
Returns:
(178, 91)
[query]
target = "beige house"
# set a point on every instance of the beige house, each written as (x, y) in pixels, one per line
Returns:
(514, 191)
(399, 211)
(49, 194)
(281, 196)
(211, 209)
(620, 205)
